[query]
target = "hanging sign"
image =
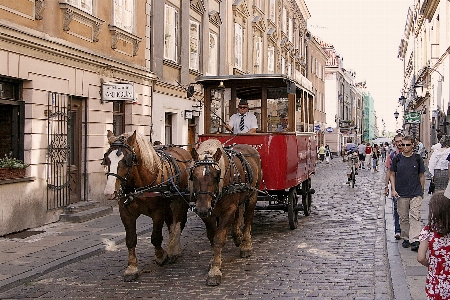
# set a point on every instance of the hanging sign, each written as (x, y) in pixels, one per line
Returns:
(329, 129)
(413, 118)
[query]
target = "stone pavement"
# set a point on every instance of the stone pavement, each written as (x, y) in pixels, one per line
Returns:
(61, 244)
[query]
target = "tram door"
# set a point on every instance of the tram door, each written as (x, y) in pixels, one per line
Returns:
(75, 150)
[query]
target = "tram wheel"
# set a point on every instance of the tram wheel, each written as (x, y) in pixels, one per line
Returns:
(306, 197)
(292, 208)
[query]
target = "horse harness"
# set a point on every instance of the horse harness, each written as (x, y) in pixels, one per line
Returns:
(167, 187)
(236, 185)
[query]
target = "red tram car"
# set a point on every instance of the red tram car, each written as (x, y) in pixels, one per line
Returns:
(288, 155)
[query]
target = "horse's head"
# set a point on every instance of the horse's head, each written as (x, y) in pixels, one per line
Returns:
(206, 181)
(119, 160)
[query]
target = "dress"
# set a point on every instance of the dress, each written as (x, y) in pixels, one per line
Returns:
(438, 278)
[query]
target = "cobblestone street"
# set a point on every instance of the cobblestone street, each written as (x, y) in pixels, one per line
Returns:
(338, 252)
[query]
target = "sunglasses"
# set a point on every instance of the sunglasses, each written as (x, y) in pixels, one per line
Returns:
(243, 107)
(406, 145)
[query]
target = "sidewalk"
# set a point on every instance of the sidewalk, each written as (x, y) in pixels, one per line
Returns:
(60, 244)
(408, 276)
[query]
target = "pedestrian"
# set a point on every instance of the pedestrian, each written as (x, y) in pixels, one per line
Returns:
(397, 144)
(321, 152)
(243, 121)
(361, 154)
(438, 164)
(407, 182)
(327, 154)
(368, 156)
(434, 249)
(375, 156)
(420, 147)
(351, 154)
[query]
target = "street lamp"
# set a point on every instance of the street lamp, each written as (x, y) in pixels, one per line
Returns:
(396, 114)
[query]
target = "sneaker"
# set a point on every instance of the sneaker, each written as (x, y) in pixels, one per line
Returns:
(348, 182)
(415, 246)
(397, 236)
(406, 244)
(364, 168)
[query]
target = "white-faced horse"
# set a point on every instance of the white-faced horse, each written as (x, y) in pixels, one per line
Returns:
(151, 183)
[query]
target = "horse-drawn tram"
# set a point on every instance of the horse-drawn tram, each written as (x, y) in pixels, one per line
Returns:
(284, 138)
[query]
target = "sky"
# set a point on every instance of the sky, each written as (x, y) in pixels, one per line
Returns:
(367, 34)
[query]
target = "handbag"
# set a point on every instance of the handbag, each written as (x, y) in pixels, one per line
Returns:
(431, 188)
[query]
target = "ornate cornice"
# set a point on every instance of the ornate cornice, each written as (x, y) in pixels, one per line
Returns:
(214, 18)
(70, 12)
(240, 8)
(258, 23)
(198, 6)
(118, 33)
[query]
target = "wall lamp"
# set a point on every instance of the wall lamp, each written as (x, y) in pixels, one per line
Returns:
(396, 114)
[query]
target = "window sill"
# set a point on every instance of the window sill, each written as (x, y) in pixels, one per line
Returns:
(171, 63)
(16, 180)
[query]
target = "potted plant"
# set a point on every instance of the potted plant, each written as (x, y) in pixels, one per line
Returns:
(11, 167)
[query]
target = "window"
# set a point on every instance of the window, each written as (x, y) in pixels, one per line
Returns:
(84, 5)
(257, 3)
(283, 66)
(170, 33)
(12, 119)
(168, 128)
(238, 46)
(257, 48)
(271, 59)
(118, 117)
(283, 20)
(213, 54)
(194, 45)
(123, 14)
(272, 10)
(291, 30)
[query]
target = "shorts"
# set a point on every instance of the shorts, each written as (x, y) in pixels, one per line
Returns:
(352, 159)
(361, 156)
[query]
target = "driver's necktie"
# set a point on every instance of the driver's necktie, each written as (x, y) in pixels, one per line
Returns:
(241, 124)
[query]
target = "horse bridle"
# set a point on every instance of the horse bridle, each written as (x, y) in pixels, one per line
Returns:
(207, 163)
(130, 158)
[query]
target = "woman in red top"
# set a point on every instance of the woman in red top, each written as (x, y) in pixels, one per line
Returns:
(368, 156)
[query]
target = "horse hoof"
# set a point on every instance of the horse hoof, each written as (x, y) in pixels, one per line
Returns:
(214, 280)
(173, 259)
(162, 262)
(130, 277)
(246, 253)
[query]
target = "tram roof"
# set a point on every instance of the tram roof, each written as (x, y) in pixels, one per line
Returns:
(249, 86)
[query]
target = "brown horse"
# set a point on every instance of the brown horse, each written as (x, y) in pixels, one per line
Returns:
(224, 188)
(151, 183)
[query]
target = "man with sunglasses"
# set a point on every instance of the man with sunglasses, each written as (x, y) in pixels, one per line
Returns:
(407, 182)
(398, 148)
(243, 121)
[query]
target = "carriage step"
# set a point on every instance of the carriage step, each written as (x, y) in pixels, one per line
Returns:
(86, 215)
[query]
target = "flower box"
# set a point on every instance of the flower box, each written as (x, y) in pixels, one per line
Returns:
(7, 173)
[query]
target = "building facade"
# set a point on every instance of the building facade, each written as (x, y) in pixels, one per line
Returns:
(424, 51)
(71, 70)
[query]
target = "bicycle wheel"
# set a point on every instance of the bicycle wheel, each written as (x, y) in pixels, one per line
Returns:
(353, 177)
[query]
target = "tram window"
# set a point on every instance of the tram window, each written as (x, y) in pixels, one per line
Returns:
(219, 109)
(118, 117)
(276, 109)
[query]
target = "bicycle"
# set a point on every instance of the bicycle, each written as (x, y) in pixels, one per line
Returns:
(354, 160)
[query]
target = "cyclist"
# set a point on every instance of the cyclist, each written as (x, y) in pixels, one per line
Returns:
(351, 153)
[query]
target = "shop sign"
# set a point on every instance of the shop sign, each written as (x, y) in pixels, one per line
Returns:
(413, 118)
(117, 91)
(329, 129)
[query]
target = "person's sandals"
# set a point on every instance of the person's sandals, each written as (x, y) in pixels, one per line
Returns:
(397, 236)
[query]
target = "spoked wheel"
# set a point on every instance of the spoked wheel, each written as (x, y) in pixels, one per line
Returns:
(353, 179)
(306, 196)
(292, 208)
